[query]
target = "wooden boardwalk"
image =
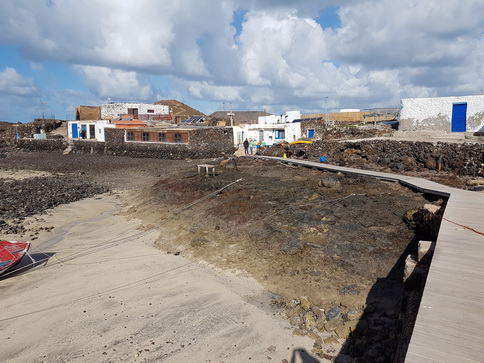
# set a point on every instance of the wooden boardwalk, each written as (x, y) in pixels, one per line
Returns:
(450, 320)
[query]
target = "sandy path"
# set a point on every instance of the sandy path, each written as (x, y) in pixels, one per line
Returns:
(109, 296)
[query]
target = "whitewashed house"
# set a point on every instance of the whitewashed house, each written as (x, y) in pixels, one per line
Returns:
(443, 114)
(270, 130)
(93, 130)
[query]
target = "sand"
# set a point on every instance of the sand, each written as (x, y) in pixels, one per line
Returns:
(106, 294)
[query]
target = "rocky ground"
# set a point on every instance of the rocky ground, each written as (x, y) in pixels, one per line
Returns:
(331, 247)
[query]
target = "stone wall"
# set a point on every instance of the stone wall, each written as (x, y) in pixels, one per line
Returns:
(203, 143)
(321, 132)
(460, 159)
(8, 130)
(50, 145)
(319, 128)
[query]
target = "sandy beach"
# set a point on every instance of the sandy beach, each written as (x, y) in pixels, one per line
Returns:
(106, 294)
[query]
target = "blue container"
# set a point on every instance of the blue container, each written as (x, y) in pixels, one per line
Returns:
(322, 159)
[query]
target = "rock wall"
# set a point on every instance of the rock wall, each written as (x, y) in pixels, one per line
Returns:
(50, 145)
(8, 130)
(203, 143)
(460, 159)
(321, 132)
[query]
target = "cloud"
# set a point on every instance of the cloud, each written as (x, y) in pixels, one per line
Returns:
(117, 84)
(388, 34)
(256, 53)
(13, 84)
(203, 90)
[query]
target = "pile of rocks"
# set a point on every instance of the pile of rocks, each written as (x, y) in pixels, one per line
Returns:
(24, 198)
(461, 159)
(342, 333)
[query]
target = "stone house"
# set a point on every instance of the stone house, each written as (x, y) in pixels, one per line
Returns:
(464, 114)
(140, 111)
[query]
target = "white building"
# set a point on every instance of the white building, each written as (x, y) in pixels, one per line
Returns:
(142, 111)
(93, 130)
(443, 114)
(270, 130)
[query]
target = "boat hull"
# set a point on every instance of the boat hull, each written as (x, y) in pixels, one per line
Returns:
(11, 253)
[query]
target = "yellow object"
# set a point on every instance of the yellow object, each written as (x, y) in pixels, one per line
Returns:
(284, 156)
(300, 142)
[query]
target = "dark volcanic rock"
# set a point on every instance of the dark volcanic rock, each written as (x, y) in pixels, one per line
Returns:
(23, 198)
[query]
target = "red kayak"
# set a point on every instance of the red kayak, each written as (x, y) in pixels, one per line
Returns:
(11, 252)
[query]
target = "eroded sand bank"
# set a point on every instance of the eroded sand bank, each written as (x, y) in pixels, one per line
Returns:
(108, 295)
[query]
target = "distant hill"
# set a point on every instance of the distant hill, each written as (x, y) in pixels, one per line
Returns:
(179, 110)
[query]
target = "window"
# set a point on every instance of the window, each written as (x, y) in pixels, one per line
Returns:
(146, 136)
(310, 132)
(151, 111)
(280, 134)
(130, 136)
(162, 137)
(133, 112)
(178, 138)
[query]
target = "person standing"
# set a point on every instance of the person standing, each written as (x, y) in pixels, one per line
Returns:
(246, 146)
(251, 146)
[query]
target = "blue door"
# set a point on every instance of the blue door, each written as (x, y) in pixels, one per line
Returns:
(459, 111)
(75, 131)
(310, 132)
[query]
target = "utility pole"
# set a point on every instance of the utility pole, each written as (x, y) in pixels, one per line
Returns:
(326, 111)
(230, 114)
(43, 112)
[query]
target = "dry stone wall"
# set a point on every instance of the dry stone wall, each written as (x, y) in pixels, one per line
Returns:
(203, 143)
(49, 145)
(461, 159)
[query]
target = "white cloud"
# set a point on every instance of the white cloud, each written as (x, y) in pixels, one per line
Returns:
(13, 84)
(273, 49)
(280, 57)
(117, 84)
(408, 33)
(203, 90)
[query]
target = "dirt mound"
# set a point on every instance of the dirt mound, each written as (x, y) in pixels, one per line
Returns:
(301, 231)
(334, 241)
(330, 246)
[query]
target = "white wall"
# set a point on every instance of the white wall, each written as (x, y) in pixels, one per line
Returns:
(116, 109)
(435, 114)
(292, 132)
(100, 127)
(80, 125)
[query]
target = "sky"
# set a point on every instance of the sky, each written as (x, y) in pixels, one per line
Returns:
(236, 55)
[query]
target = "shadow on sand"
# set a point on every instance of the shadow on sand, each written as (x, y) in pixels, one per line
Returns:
(300, 355)
(27, 263)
